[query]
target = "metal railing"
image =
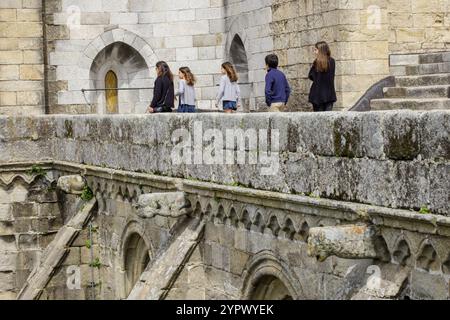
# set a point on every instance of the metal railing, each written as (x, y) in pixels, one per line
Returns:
(118, 89)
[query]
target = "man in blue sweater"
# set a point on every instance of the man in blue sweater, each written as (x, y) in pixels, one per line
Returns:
(277, 86)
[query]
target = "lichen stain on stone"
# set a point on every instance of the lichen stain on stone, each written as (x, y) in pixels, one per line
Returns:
(293, 138)
(358, 229)
(68, 125)
(346, 139)
(402, 143)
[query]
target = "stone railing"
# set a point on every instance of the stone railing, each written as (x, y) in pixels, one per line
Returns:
(389, 159)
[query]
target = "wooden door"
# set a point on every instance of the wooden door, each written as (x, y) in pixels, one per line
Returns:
(112, 96)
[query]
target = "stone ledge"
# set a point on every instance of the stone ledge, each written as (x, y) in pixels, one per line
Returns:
(341, 210)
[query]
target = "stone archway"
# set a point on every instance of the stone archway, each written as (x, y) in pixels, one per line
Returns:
(237, 46)
(238, 56)
(266, 277)
(136, 258)
(131, 72)
(270, 288)
(131, 58)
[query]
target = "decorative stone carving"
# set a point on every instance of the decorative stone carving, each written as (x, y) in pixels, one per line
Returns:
(350, 242)
(72, 184)
(170, 204)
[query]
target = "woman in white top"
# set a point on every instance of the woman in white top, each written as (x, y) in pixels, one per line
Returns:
(186, 91)
(229, 91)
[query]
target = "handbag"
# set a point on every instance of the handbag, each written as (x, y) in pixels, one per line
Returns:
(163, 107)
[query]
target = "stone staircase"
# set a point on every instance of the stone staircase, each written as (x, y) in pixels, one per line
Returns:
(422, 82)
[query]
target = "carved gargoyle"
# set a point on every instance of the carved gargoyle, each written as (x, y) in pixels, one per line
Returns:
(170, 204)
(348, 242)
(72, 184)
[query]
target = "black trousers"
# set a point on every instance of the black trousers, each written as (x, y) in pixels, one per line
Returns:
(323, 107)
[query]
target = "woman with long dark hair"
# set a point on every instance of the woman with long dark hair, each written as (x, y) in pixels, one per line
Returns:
(322, 74)
(164, 92)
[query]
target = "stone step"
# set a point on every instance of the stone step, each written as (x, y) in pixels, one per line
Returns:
(429, 68)
(418, 58)
(423, 80)
(434, 57)
(418, 92)
(410, 104)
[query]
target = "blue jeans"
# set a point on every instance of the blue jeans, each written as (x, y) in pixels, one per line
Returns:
(230, 105)
(185, 108)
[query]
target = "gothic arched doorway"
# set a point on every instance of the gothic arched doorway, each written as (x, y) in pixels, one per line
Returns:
(238, 57)
(119, 65)
(270, 288)
(136, 254)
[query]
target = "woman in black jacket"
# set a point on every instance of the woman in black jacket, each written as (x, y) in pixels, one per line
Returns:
(322, 73)
(164, 92)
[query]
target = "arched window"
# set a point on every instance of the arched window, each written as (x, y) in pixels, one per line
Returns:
(112, 97)
(136, 260)
(238, 57)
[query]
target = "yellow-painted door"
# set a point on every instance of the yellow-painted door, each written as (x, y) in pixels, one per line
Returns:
(112, 98)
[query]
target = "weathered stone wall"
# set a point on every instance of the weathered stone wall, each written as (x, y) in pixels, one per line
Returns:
(250, 237)
(79, 34)
(361, 34)
(29, 218)
(21, 57)
(197, 33)
(392, 159)
(418, 25)
(357, 35)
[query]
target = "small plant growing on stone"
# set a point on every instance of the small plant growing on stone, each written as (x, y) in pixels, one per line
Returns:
(87, 194)
(96, 264)
(313, 195)
(237, 184)
(424, 210)
(37, 171)
(88, 244)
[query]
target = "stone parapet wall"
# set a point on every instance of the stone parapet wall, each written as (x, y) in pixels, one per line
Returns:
(391, 159)
(21, 57)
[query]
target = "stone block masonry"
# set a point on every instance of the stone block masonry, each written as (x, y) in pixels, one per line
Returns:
(29, 219)
(391, 159)
(201, 34)
(21, 58)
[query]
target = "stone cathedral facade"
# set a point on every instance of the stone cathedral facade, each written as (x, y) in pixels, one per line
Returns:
(51, 50)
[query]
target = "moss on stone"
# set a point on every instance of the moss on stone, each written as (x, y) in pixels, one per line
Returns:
(402, 143)
(69, 128)
(346, 139)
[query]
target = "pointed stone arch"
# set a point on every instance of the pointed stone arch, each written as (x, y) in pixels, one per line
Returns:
(237, 51)
(136, 252)
(427, 258)
(112, 36)
(268, 278)
(131, 58)
(238, 56)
